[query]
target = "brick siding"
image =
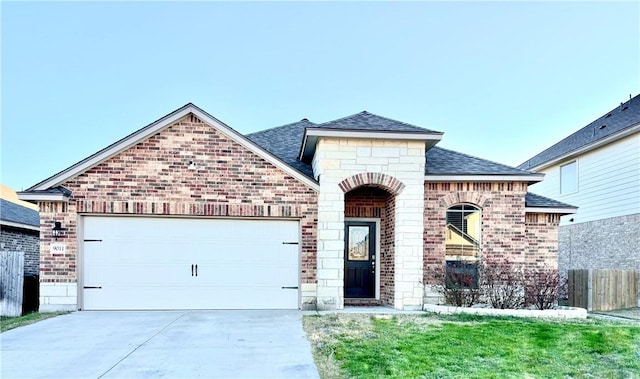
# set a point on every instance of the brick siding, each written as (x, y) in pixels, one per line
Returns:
(16, 239)
(611, 243)
(505, 232)
(154, 178)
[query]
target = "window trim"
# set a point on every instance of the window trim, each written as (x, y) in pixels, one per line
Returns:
(575, 179)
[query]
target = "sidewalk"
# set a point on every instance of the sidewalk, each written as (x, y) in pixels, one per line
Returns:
(629, 314)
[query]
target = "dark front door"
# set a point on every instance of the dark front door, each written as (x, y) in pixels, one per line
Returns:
(359, 259)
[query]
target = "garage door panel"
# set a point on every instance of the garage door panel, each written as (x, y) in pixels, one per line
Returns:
(146, 263)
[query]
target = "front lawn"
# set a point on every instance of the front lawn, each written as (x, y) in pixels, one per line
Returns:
(466, 346)
(7, 323)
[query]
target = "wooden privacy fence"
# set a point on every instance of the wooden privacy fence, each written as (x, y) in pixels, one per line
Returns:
(603, 290)
(11, 282)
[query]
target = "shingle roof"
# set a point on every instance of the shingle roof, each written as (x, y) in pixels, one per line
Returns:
(284, 142)
(537, 201)
(18, 214)
(371, 122)
(448, 162)
(618, 119)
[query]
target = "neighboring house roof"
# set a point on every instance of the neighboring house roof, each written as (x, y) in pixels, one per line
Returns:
(15, 215)
(9, 194)
(535, 202)
(617, 123)
(444, 164)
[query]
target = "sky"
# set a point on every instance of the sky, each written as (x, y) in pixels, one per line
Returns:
(502, 80)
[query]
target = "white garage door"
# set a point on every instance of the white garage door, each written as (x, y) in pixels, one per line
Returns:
(174, 263)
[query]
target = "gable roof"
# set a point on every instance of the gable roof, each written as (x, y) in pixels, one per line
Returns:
(281, 146)
(15, 215)
(615, 124)
(41, 189)
(536, 203)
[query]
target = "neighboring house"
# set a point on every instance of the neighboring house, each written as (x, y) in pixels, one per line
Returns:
(186, 213)
(597, 168)
(20, 231)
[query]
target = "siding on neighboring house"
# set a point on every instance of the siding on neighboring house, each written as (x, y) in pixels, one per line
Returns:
(608, 182)
(25, 240)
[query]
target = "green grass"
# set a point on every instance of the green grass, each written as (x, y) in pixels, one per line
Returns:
(7, 323)
(410, 346)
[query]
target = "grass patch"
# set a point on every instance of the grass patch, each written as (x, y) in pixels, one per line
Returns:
(7, 323)
(430, 346)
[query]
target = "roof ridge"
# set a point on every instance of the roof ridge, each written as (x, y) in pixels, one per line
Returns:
(365, 112)
(483, 159)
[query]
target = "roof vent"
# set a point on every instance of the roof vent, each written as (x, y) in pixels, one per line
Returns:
(602, 127)
(607, 116)
(305, 119)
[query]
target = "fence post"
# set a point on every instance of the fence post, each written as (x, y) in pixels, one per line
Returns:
(11, 282)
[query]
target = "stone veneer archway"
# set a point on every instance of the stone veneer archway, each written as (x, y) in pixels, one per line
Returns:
(397, 166)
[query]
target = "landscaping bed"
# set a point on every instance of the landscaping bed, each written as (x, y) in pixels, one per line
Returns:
(462, 346)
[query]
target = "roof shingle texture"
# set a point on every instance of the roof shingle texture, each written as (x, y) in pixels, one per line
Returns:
(448, 162)
(284, 142)
(537, 201)
(13, 212)
(371, 122)
(618, 119)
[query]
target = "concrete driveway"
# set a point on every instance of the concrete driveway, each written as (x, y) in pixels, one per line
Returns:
(160, 344)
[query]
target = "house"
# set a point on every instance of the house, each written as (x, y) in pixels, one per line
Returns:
(597, 168)
(20, 231)
(186, 213)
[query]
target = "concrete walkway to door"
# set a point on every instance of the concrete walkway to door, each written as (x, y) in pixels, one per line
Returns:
(167, 344)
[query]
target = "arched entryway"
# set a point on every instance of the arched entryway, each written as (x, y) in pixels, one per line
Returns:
(369, 246)
(369, 214)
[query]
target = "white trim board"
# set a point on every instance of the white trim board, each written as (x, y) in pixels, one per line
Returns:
(530, 178)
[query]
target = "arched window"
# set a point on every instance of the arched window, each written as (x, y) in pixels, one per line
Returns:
(463, 240)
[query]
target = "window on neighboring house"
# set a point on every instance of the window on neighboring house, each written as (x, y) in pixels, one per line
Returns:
(462, 238)
(569, 178)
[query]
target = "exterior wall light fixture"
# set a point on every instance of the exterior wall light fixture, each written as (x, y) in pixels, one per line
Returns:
(57, 230)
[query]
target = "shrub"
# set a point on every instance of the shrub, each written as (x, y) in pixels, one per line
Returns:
(456, 287)
(503, 284)
(541, 287)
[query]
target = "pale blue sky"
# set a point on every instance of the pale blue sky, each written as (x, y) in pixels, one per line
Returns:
(502, 80)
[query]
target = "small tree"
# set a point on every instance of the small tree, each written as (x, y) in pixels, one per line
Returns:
(541, 287)
(503, 284)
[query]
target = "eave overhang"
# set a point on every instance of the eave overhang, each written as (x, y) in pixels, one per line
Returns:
(529, 178)
(35, 196)
(312, 135)
(19, 225)
(562, 211)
